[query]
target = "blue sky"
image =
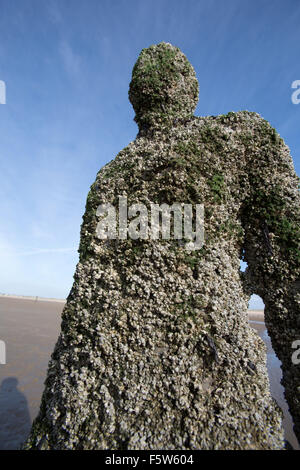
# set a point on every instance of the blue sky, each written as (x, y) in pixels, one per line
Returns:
(67, 66)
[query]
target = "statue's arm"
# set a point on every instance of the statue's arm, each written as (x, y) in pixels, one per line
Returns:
(271, 219)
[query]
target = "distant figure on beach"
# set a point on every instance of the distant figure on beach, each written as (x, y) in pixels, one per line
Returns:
(155, 350)
(15, 420)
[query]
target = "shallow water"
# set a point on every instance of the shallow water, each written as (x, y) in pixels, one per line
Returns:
(277, 391)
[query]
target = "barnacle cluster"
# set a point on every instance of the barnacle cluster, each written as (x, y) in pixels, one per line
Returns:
(155, 350)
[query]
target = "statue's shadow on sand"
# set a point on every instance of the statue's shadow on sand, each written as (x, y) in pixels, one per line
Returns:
(15, 419)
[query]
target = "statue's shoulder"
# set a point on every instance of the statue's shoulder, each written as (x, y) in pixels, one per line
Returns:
(251, 127)
(242, 119)
(236, 120)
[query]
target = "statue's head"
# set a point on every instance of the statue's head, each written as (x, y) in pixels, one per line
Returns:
(163, 86)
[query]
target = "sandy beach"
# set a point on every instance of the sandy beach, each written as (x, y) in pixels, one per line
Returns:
(29, 326)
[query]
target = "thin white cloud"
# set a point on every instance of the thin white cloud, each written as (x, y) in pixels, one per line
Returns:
(54, 12)
(71, 60)
(40, 251)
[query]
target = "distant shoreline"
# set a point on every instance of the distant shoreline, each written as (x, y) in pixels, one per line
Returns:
(30, 297)
(254, 314)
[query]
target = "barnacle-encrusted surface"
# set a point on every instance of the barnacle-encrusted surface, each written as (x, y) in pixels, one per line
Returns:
(155, 350)
(163, 86)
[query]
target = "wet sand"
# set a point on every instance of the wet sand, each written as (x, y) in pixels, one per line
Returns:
(29, 326)
(29, 329)
(274, 371)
